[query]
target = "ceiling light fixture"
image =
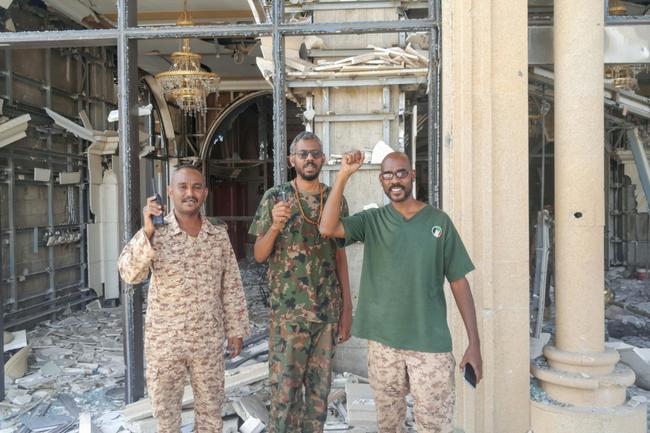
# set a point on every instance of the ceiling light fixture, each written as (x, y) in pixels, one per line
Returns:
(186, 82)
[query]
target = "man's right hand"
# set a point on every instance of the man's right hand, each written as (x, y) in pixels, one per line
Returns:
(351, 162)
(280, 213)
(152, 208)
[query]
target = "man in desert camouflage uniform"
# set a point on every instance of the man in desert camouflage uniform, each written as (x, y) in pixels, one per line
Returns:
(309, 292)
(195, 301)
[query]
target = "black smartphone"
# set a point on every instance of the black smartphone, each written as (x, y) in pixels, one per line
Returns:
(158, 220)
(470, 375)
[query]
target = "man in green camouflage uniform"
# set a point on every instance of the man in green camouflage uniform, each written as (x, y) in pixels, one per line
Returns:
(309, 292)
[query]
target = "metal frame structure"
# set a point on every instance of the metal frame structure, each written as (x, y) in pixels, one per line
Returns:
(57, 295)
(126, 36)
(70, 160)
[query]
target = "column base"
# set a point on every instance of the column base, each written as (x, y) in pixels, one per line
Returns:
(548, 417)
(584, 380)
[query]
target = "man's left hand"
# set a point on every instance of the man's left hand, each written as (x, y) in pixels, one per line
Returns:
(473, 357)
(235, 345)
(345, 325)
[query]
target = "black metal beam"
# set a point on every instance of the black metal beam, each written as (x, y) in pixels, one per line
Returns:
(63, 38)
(2, 322)
(109, 37)
(434, 111)
(127, 68)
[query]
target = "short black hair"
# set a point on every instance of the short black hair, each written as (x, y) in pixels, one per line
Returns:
(304, 135)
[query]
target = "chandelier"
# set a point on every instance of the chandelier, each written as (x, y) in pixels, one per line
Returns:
(186, 82)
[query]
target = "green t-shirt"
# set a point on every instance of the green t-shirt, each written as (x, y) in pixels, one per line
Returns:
(302, 278)
(401, 298)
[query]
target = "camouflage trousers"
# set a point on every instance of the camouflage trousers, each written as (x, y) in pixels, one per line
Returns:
(169, 359)
(429, 377)
(300, 364)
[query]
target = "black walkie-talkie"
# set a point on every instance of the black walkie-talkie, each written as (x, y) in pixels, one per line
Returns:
(158, 220)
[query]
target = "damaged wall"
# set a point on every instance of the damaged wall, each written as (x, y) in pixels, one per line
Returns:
(41, 207)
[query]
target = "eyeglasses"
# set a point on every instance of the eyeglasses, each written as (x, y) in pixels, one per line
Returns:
(388, 175)
(302, 154)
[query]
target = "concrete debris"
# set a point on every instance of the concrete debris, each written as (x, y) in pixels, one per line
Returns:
(378, 62)
(65, 363)
(628, 314)
(86, 423)
(360, 405)
(17, 365)
(77, 130)
(145, 110)
(45, 422)
(18, 340)
(76, 375)
(638, 359)
(14, 129)
(251, 407)
(313, 42)
(231, 424)
(537, 344)
(94, 305)
(252, 425)
(19, 397)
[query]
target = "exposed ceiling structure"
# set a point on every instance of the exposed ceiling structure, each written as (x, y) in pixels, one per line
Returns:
(229, 58)
(165, 12)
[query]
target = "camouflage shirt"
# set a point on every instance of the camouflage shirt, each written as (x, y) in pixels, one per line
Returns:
(195, 282)
(302, 276)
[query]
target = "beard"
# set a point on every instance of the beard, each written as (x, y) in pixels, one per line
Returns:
(308, 176)
(407, 190)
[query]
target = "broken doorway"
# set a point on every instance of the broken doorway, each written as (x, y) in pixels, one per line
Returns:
(238, 161)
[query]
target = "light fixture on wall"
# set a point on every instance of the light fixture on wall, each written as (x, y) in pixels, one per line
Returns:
(186, 82)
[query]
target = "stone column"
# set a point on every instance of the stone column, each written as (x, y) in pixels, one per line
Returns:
(485, 191)
(580, 371)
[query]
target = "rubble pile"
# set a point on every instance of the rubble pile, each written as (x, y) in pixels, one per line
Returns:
(628, 313)
(76, 368)
(74, 378)
(377, 61)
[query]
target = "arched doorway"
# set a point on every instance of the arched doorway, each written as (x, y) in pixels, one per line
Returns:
(237, 157)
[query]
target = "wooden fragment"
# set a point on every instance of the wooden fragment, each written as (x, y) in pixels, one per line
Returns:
(423, 59)
(85, 121)
(299, 64)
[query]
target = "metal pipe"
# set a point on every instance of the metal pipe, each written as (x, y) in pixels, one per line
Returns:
(50, 184)
(11, 212)
(279, 98)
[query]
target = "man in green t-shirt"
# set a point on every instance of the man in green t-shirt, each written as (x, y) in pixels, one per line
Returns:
(309, 291)
(409, 250)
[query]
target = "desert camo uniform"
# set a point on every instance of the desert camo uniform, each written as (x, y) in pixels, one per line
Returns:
(195, 301)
